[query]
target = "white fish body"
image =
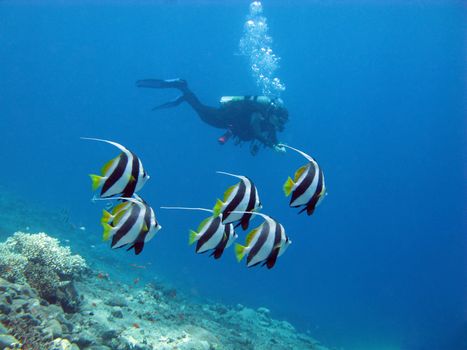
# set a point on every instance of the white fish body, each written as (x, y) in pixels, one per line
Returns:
(121, 177)
(237, 198)
(268, 246)
(210, 234)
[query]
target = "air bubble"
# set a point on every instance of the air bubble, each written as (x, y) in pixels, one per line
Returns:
(256, 45)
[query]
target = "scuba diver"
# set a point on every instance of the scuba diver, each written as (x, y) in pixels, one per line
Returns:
(254, 119)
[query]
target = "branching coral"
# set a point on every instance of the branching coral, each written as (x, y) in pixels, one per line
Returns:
(44, 250)
(49, 268)
(12, 265)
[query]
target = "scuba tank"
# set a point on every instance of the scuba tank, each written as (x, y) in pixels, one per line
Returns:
(264, 100)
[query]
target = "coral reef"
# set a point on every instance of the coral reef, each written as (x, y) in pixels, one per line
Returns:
(39, 260)
(118, 316)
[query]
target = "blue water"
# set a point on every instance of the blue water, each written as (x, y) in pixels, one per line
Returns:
(376, 93)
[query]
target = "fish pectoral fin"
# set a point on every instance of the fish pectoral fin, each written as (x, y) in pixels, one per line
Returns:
(288, 185)
(193, 237)
(97, 181)
(217, 207)
(240, 252)
(107, 231)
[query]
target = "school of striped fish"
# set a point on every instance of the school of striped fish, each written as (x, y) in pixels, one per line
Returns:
(131, 222)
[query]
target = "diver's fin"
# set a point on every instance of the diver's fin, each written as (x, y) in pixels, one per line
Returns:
(170, 104)
(162, 84)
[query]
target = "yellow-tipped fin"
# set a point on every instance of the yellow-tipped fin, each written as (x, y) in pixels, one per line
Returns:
(288, 186)
(218, 207)
(96, 181)
(240, 251)
(251, 235)
(105, 169)
(203, 223)
(229, 192)
(106, 216)
(300, 172)
(107, 230)
(193, 237)
(120, 206)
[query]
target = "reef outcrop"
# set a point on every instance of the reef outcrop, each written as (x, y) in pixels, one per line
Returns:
(108, 314)
(40, 261)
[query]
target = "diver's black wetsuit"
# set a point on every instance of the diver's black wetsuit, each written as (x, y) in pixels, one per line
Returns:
(245, 119)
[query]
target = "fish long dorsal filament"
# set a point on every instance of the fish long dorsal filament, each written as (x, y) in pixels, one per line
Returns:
(266, 217)
(119, 146)
(133, 200)
(188, 208)
(230, 174)
(308, 157)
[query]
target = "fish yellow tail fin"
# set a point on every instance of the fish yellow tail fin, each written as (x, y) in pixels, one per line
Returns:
(193, 237)
(240, 251)
(288, 185)
(106, 216)
(218, 207)
(96, 181)
(107, 230)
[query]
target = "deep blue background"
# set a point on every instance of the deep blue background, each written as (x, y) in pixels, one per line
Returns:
(376, 93)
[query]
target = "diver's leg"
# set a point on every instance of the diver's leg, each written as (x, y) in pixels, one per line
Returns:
(179, 84)
(209, 115)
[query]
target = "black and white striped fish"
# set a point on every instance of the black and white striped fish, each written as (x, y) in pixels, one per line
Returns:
(241, 197)
(307, 188)
(131, 223)
(121, 176)
(229, 237)
(264, 244)
(212, 234)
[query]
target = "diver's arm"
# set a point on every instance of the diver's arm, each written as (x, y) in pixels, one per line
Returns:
(268, 138)
(261, 135)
